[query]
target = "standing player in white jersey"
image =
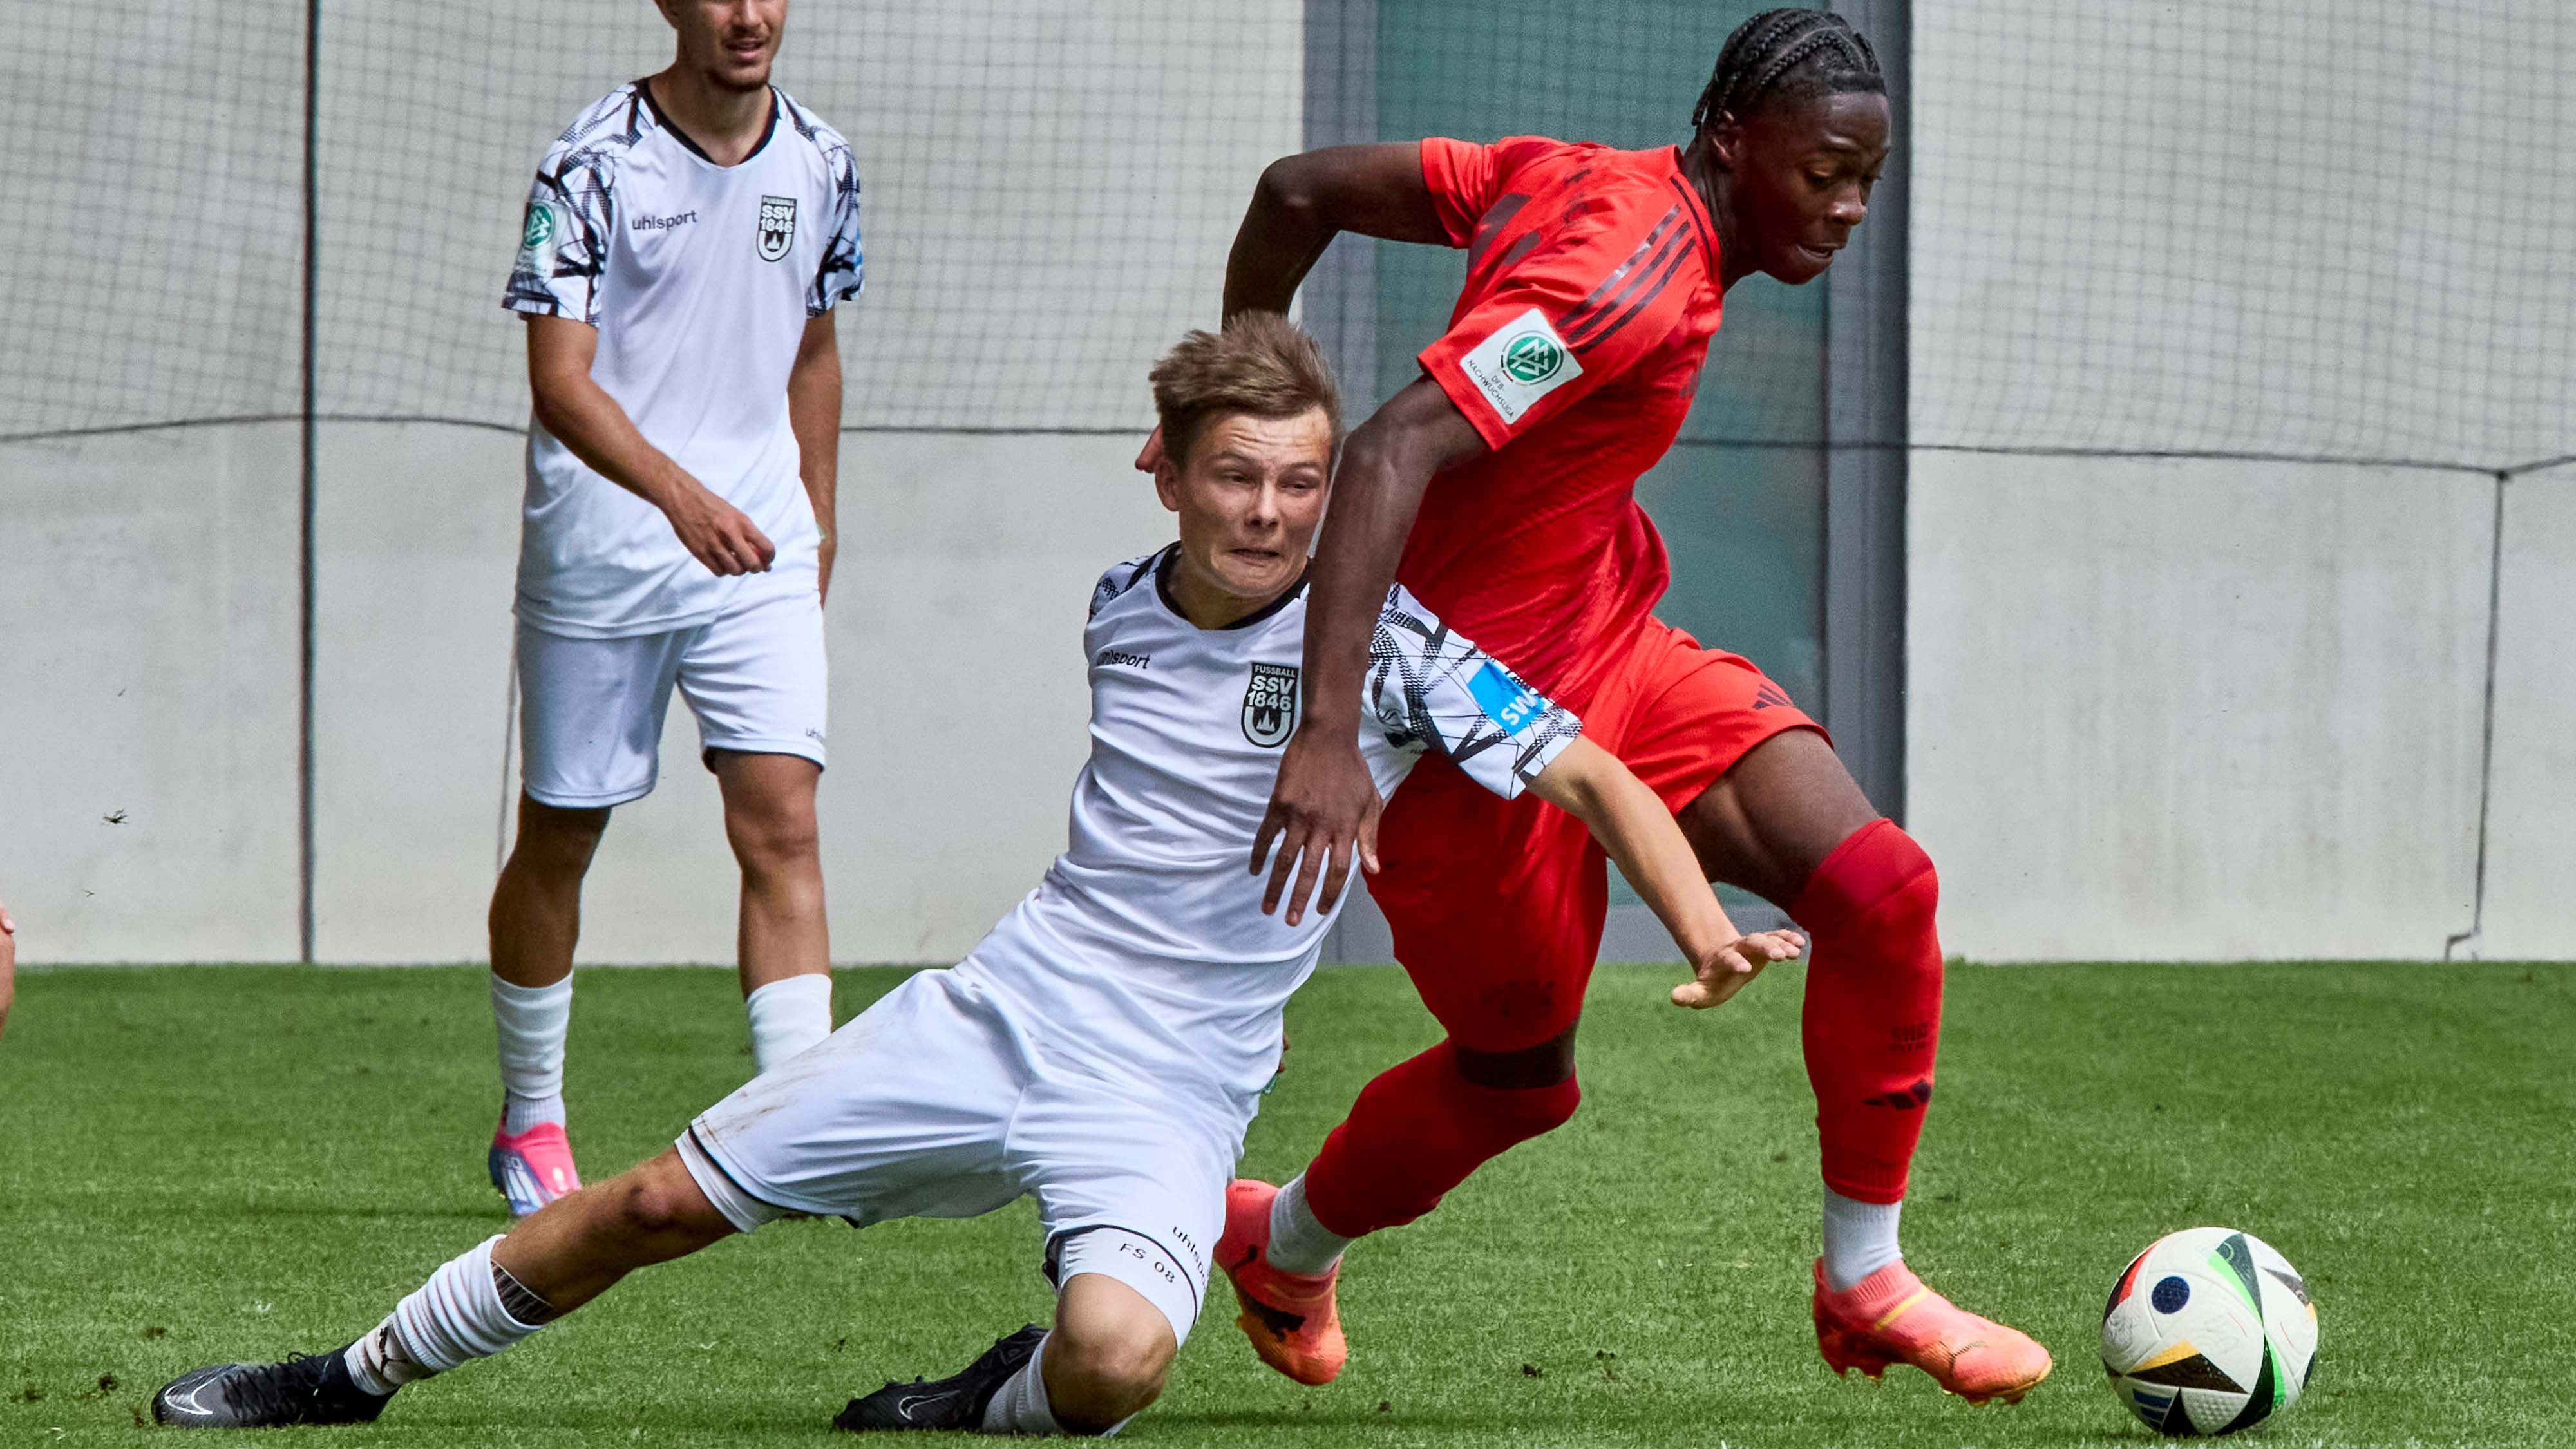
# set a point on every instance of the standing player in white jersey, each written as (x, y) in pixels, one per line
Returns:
(686, 242)
(1106, 1046)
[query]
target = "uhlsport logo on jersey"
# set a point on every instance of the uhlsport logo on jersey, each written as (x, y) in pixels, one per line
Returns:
(1270, 705)
(1503, 697)
(1520, 362)
(777, 226)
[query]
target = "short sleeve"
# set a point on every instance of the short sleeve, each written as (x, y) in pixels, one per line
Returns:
(563, 240)
(1430, 689)
(1463, 178)
(1584, 305)
(843, 272)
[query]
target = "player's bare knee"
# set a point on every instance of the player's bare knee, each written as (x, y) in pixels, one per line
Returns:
(774, 835)
(556, 842)
(659, 1203)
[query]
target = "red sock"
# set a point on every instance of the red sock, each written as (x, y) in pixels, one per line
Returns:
(1873, 1012)
(1416, 1132)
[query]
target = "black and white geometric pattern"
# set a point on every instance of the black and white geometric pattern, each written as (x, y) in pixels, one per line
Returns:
(1425, 680)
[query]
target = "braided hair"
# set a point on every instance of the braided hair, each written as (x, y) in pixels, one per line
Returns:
(1787, 54)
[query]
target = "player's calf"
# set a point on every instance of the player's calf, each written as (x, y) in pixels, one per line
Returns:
(1419, 1128)
(1871, 1024)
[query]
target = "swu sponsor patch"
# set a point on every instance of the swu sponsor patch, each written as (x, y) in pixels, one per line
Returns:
(1522, 361)
(1505, 700)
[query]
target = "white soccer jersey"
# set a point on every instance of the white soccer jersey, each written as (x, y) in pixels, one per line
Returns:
(1147, 938)
(700, 279)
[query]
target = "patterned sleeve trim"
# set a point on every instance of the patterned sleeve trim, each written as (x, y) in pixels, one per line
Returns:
(843, 270)
(1437, 691)
(571, 216)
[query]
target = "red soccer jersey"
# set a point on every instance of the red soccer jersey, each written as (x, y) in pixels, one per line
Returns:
(1575, 349)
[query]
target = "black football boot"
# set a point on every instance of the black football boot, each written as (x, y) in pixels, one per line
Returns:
(306, 1389)
(955, 1402)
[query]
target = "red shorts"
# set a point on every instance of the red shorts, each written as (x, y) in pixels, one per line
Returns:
(1497, 904)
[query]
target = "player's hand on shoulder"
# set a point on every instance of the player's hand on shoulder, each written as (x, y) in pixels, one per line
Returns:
(1731, 967)
(718, 534)
(1324, 807)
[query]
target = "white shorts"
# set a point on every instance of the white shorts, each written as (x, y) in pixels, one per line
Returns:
(590, 710)
(937, 1102)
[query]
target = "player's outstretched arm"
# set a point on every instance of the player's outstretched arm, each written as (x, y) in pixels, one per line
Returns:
(1306, 200)
(1630, 821)
(583, 417)
(1325, 804)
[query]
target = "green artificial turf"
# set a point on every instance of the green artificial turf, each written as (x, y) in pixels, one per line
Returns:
(199, 1164)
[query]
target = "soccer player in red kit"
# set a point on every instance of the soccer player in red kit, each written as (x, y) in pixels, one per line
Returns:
(1499, 487)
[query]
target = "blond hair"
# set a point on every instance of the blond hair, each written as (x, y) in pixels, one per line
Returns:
(1262, 364)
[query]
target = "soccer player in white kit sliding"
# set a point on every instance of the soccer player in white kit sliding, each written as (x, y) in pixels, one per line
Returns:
(686, 241)
(1104, 1048)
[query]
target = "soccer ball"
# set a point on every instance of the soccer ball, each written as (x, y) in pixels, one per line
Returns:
(2208, 1332)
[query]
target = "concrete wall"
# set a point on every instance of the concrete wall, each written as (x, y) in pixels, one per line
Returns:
(2196, 710)
(148, 641)
(2211, 709)
(2531, 827)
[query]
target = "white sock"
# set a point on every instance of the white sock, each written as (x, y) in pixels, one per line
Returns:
(787, 1016)
(378, 1364)
(531, 1022)
(1298, 1243)
(1019, 1406)
(1860, 1239)
(453, 1319)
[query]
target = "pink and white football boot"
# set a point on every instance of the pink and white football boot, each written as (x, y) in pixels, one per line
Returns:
(534, 1167)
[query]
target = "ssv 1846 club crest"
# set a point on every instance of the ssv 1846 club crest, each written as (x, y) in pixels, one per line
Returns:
(1270, 705)
(777, 226)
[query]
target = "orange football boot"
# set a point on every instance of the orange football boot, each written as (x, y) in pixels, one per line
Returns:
(1290, 1317)
(1889, 1317)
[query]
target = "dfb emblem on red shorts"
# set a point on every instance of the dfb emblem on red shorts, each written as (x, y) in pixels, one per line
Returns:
(1270, 705)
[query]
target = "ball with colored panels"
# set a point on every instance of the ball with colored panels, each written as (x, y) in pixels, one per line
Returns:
(2208, 1332)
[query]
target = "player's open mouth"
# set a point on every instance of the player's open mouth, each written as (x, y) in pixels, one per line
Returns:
(1821, 256)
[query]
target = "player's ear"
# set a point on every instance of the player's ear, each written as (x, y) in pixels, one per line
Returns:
(1726, 140)
(1167, 482)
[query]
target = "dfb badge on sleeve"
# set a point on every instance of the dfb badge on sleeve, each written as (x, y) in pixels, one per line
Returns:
(1270, 705)
(777, 226)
